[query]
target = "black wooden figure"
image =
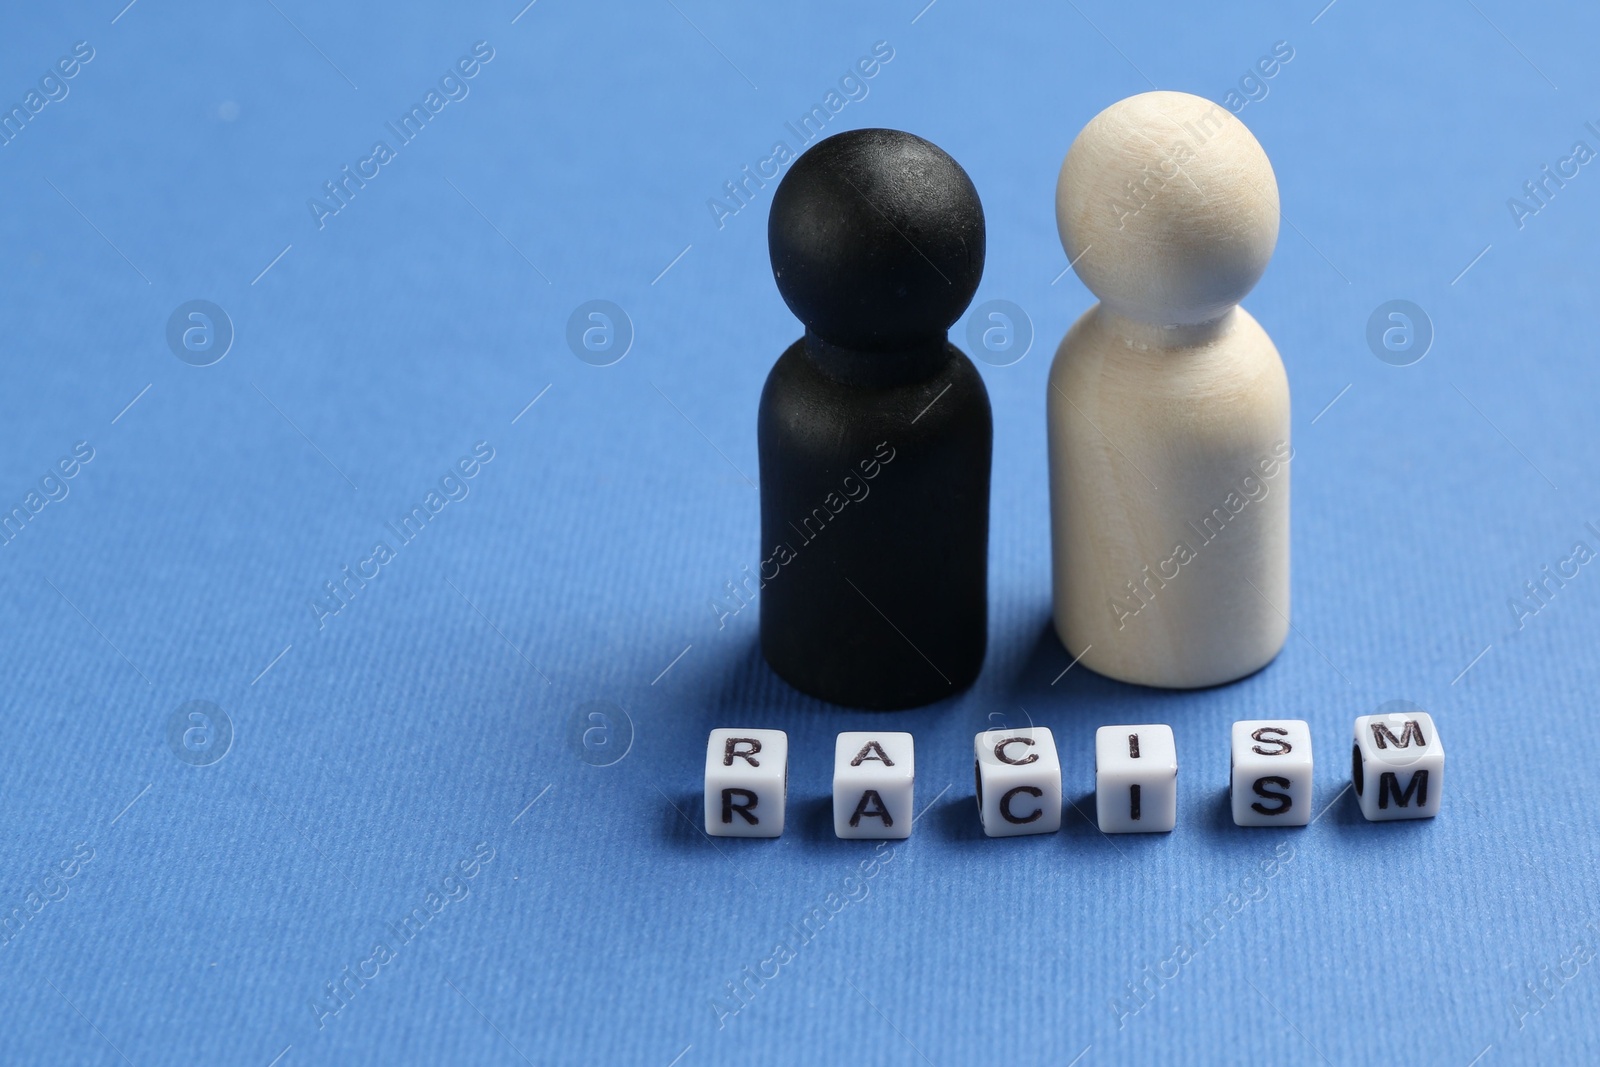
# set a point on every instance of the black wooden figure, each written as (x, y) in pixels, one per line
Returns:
(874, 431)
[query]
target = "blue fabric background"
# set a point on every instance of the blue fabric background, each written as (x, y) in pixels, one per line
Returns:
(400, 741)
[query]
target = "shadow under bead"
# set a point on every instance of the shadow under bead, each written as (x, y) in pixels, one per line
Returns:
(874, 431)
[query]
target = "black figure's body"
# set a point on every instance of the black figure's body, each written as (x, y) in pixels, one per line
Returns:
(875, 432)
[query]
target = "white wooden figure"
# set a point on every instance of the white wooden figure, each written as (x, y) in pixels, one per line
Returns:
(1168, 405)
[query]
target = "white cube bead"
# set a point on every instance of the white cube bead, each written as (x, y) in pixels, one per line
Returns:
(1136, 779)
(1270, 772)
(873, 776)
(747, 782)
(1018, 779)
(1397, 763)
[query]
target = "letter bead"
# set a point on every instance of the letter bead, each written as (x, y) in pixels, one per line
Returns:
(1136, 779)
(1269, 781)
(1397, 762)
(747, 782)
(873, 777)
(1018, 780)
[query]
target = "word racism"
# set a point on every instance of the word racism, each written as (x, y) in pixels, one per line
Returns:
(1539, 190)
(754, 979)
(337, 994)
(453, 87)
(1251, 490)
(1139, 192)
(1538, 594)
(1154, 977)
(52, 889)
(52, 489)
(741, 190)
(53, 88)
(452, 489)
(855, 490)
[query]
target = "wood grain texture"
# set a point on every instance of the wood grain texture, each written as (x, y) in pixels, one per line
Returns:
(1168, 406)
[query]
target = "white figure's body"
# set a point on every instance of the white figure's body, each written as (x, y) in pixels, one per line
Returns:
(1168, 405)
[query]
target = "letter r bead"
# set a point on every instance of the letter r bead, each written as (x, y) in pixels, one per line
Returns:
(747, 781)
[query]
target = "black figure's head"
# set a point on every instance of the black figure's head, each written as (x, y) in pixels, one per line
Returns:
(877, 240)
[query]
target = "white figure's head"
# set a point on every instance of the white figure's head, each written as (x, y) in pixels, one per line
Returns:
(1168, 207)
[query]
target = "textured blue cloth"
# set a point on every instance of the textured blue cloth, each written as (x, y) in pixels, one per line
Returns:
(280, 557)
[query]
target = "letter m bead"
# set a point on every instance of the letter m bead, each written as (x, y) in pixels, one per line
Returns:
(1397, 764)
